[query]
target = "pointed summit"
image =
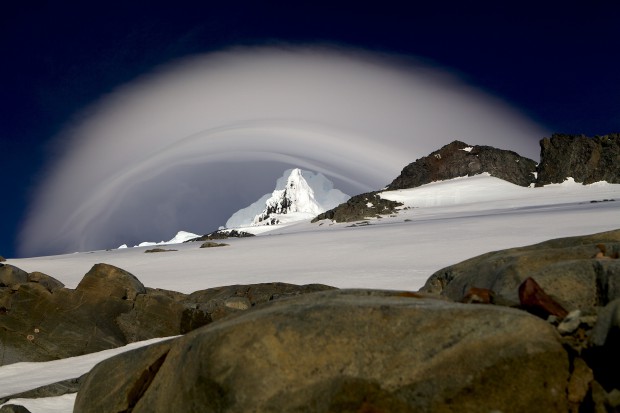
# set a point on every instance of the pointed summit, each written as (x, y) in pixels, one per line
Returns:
(298, 195)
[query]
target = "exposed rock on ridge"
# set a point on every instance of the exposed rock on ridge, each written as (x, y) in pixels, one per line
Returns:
(586, 160)
(359, 207)
(451, 161)
(460, 159)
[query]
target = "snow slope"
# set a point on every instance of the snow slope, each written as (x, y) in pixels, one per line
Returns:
(179, 238)
(440, 224)
(298, 195)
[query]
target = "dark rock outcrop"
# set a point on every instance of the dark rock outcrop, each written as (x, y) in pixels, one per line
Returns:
(2, 259)
(586, 160)
(345, 351)
(454, 160)
(222, 234)
(460, 159)
(359, 207)
(535, 300)
(40, 321)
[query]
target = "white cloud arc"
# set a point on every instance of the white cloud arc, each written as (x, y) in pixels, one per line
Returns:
(218, 129)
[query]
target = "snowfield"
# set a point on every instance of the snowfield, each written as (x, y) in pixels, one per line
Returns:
(440, 224)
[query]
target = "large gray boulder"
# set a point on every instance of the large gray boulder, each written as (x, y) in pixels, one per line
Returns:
(344, 351)
(580, 272)
(584, 159)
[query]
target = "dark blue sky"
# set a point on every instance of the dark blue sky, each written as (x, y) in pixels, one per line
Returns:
(559, 63)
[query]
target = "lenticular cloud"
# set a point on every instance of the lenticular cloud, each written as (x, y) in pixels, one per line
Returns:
(188, 145)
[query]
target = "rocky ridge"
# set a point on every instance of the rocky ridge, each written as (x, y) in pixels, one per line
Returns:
(460, 159)
(222, 234)
(359, 207)
(584, 159)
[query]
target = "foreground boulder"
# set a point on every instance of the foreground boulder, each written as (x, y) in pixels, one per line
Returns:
(40, 320)
(580, 273)
(574, 283)
(11, 276)
(344, 351)
(584, 159)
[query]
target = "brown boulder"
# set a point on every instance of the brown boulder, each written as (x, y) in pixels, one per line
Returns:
(111, 281)
(570, 270)
(133, 373)
(11, 276)
(349, 351)
(535, 300)
(45, 280)
(41, 321)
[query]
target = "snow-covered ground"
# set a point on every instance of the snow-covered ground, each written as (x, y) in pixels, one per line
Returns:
(441, 224)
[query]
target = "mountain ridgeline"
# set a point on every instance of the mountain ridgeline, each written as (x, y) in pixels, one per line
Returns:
(460, 159)
(584, 159)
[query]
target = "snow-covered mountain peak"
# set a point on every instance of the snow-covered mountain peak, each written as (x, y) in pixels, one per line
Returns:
(298, 195)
